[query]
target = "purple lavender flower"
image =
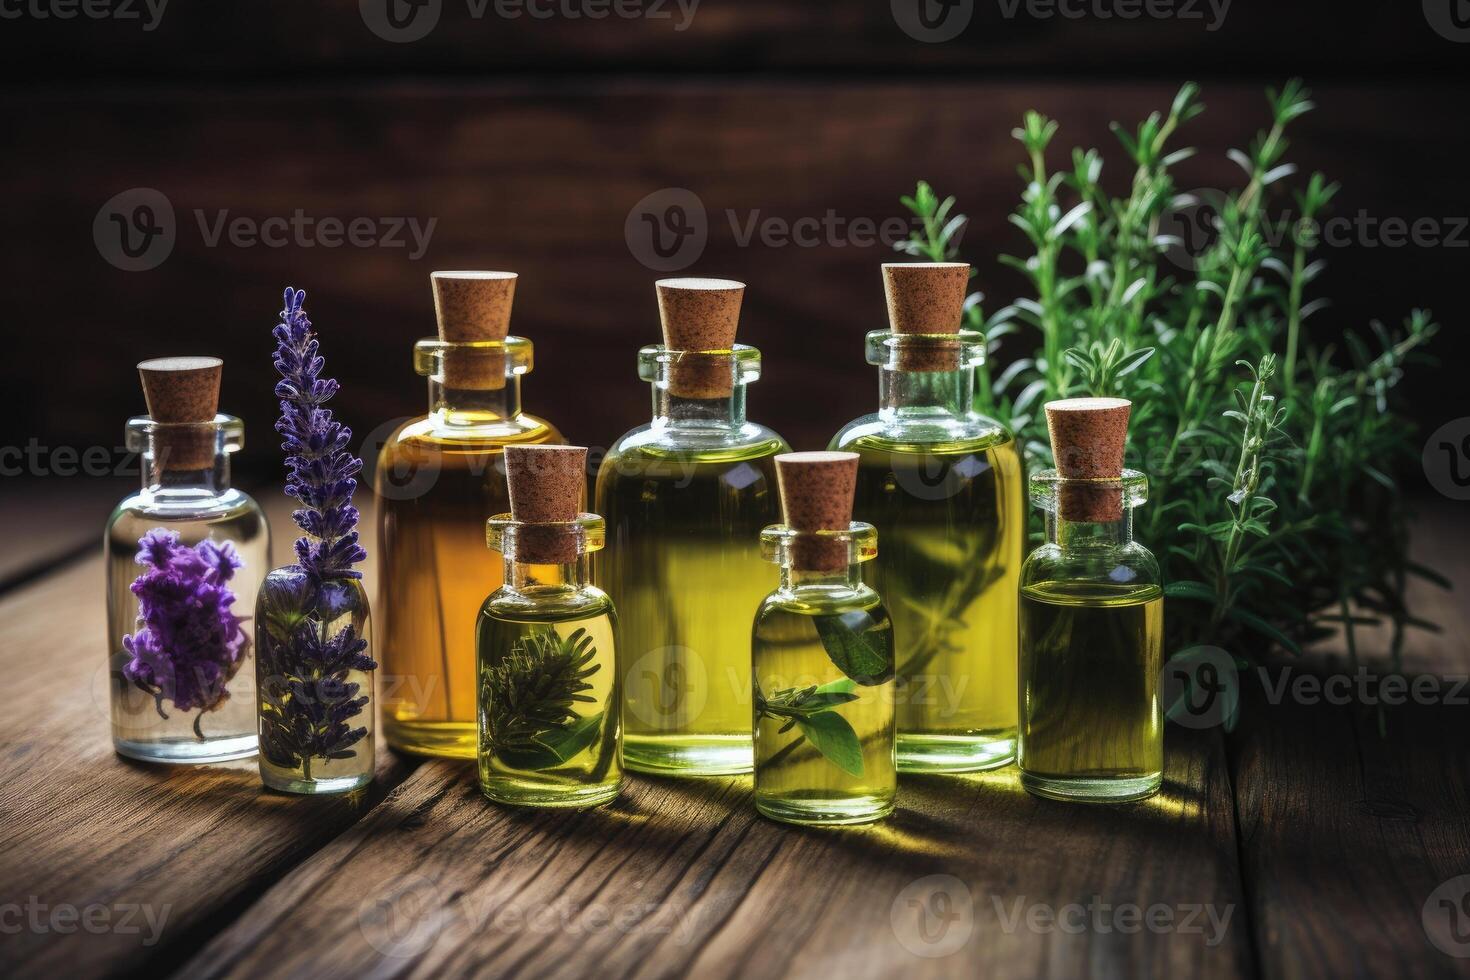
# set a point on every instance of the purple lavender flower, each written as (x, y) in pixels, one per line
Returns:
(320, 472)
(189, 643)
(306, 701)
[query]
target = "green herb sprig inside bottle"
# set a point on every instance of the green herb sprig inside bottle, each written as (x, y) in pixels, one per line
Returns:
(1092, 620)
(943, 486)
(822, 657)
(685, 498)
(549, 716)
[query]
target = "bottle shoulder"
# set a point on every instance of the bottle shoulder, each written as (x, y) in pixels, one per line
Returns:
(230, 503)
(552, 605)
(428, 434)
(735, 445)
(966, 433)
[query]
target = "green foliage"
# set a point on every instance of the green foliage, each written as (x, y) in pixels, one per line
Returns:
(812, 711)
(1275, 507)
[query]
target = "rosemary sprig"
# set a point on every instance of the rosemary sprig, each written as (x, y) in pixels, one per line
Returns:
(530, 697)
(1276, 508)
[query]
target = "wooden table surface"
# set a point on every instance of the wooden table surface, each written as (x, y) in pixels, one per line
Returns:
(1316, 839)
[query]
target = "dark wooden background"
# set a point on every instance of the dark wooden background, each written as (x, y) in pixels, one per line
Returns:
(530, 141)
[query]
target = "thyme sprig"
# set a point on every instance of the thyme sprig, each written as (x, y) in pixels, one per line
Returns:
(1273, 456)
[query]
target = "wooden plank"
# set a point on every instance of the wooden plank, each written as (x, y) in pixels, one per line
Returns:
(681, 877)
(542, 178)
(1352, 813)
(496, 36)
(166, 853)
(46, 522)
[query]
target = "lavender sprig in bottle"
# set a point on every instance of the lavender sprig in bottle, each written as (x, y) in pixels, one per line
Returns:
(311, 623)
(184, 555)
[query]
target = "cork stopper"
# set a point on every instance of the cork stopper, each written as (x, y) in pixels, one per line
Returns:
(182, 391)
(926, 298)
(546, 485)
(699, 318)
(816, 495)
(1088, 436)
(473, 307)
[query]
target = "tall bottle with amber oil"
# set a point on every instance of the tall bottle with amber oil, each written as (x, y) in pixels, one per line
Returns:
(685, 498)
(549, 732)
(438, 479)
(1092, 620)
(822, 657)
(942, 485)
(185, 557)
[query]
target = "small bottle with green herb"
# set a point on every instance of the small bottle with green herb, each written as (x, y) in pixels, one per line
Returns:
(550, 731)
(822, 657)
(1092, 620)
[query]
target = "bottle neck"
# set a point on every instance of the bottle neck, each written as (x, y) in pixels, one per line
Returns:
(1089, 535)
(532, 578)
(468, 407)
(904, 394)
(795, 580)
(161, 477)
(699, 414)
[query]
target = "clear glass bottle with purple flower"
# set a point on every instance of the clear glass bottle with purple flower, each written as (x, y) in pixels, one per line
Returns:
(313, 666)
(184, 557)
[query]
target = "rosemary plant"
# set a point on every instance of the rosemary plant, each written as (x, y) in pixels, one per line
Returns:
(1276, 508)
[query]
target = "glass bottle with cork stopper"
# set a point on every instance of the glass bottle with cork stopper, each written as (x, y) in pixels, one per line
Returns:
(549, 713)
(685, 498)
(185, 556)
(822, 657)
(1092, 620)
(438, 479)
(943, 486)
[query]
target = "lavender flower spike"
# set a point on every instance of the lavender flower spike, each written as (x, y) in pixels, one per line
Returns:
(320, 472)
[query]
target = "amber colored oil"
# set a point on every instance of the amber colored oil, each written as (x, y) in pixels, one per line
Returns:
(952, 523)
(684, 568)
(1090, 719)
(435, 492)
